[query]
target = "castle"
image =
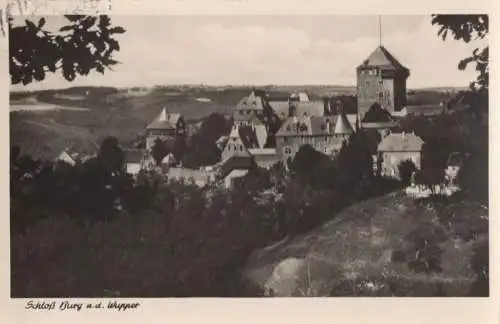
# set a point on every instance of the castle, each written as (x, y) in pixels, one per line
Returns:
(266, 132)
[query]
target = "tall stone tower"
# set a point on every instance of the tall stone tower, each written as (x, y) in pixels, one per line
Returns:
(381, 79)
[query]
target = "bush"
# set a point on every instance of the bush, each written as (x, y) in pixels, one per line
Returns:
(406, 170)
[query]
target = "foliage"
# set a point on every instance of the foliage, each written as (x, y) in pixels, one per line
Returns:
(424, 252)
(406, 170)
(466, 28)
(85, 44)
(203, 149)
(159, 150)
(473, 176)
(256, 180)
(480, 265)
(111, 155)
(433, 163)
(355, 160)
(309, 165)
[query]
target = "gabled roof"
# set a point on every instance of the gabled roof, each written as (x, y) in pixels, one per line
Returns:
(239, 148)
(376, 114)
(254, 136)
(313, 126)
(307, 108)
(248, 137)
(383, 59)
(251, 102)
(165, 120)
(261, 134)
(401, 142)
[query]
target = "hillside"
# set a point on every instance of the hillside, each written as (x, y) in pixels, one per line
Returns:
(45, 122)
(358, 247)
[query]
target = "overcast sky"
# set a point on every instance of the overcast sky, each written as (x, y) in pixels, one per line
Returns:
(258, 50)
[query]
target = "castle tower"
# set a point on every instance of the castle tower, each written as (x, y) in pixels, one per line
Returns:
(381, 79)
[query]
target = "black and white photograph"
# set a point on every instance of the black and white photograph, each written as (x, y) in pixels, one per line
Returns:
(248, 156)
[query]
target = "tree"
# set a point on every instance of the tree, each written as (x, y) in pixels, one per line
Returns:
(111, 155)
(473, 176)
(355, 159)
(179, 148)
(84, 44)
(159, 150)
(406, 169)
(313, 168)
(467, 28)
(433, 163)
(204, 149)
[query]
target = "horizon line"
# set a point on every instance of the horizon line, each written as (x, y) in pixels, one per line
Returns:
(235, 85)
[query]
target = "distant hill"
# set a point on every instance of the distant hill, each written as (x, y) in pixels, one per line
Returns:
(125, 112)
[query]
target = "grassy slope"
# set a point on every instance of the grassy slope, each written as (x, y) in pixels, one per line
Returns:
(44, 134)
(359, 243)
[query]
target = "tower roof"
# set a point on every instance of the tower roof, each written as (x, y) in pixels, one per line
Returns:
(342, 126)
(165, 120)
(383, 59)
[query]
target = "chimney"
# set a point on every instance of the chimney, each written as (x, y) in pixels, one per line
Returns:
(403, 135)
(328, 126)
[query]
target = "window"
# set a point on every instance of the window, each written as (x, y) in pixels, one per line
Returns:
(288, 151)
(323, 127)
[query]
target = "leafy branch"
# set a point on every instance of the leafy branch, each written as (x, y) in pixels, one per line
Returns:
(468, 28)
(85, 44)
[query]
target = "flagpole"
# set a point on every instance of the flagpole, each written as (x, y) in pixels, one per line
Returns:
(380, 30)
